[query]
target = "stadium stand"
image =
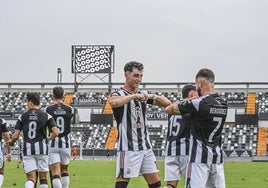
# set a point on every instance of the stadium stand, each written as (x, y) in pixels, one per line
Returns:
(245, 133)
(68, 99)
(262, 142)
(240, 137)
(157, 134)
(262, 102)
(251, 103)
(111, 138)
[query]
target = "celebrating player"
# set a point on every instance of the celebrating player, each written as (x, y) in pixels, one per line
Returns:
(135, 155)
(177, 147)
(3, 131)
(33, 125)
(60, 147)
(208, 113)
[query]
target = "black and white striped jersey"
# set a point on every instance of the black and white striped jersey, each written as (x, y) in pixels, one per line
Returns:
(63, 115)
(34, 124)
(132, 123)
(3, 128)
(178, 135)
(208, 117)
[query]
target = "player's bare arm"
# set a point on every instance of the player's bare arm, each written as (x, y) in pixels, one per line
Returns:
(7, 138)
(55, 133)
(117, 101)
(14, 138)
(159, 100)
(172, 109)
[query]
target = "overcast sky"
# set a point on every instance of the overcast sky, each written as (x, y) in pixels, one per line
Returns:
(172, 38)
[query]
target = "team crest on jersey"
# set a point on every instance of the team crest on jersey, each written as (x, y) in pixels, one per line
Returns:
(137, 120)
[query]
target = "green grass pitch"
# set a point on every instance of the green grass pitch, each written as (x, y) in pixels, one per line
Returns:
(101, 174)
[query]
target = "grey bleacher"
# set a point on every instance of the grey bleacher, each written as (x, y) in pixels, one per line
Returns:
(90, 98)
(262, 102)
(235, 99)
(157, 135)
(16, 101)
(235, 137)
(240, 137)
(90, 135)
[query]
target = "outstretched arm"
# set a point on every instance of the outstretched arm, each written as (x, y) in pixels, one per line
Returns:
(117, 101)
(14, 138)
(172, 109)
(159, 100)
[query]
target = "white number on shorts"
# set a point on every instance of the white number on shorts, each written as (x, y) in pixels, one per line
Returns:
(174, 123)
(32, 130)
(60, 124)
(218, 120)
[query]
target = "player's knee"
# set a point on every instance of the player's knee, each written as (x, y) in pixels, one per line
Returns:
(121, 184)
(155, 185)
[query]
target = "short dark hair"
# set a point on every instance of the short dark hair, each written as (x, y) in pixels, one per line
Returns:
(33, 97)
(186, 89)
(207, 74)
(133, 64)
(58, 92)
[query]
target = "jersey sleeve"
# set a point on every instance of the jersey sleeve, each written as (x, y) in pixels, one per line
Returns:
(115, 93)
(188, 106)
(18, 125)
(51, 122)
(45, 109)
(4, 125)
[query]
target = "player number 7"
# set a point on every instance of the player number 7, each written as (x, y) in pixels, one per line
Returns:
(218, 120)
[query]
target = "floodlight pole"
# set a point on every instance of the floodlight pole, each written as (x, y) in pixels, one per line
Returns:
(110, 72)
(74, 69)
(88, 47)
(59, 75)
(75, 82)
(110, 82)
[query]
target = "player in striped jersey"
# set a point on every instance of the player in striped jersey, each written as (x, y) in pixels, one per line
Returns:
(3, 132)
(177, 146)
(34, 124)
(208, 113)
(60, 147)
(135, 156)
